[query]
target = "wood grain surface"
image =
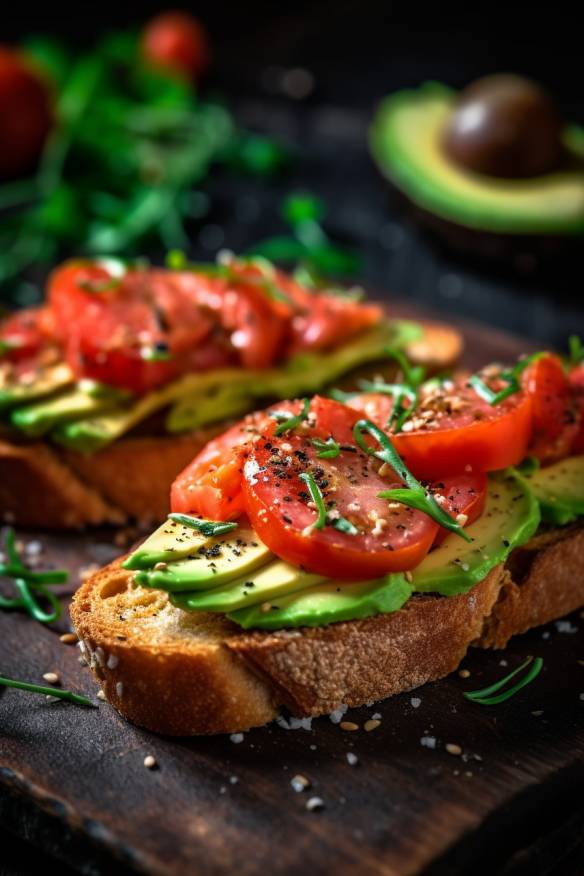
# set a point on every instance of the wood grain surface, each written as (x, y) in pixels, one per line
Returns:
(73, 782)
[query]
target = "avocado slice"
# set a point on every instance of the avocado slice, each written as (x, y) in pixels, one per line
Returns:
(510, 518)
(46, 382)
(272, 581)
(559, 489)
(405, 140)
(217, 561)
(199, 399)
(39, 418)
(327, 603)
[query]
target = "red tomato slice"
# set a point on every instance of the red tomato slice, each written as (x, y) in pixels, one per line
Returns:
(390, 536)
(555, 416)
(177, 43)
(329, 321)
(577, 386)
(24, 334)
(136, 331)
(26, 114)
(211, 485)
(455, 431)
(465, 497)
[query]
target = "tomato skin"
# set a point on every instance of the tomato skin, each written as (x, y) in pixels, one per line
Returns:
(257, 329)
(330, 321)
(25, 114)
(477, 438)
(177, 43)
(555, 417)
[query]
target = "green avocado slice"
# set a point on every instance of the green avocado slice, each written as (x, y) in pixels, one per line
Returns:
(559, 489)
(510, 518)
(216, 562)
(327, 603)
(405, 140)
(39, 418)
(197, 400)
(46, 382)
(274, 580)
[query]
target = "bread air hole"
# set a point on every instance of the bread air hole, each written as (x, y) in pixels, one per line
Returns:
(114, 587)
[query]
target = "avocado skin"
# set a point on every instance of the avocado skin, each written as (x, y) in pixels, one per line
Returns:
(328, 603)
(559, 489)
(460, 200)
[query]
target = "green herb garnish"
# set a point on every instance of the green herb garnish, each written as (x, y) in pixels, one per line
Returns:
(30, 585)
(287, 423)
(344, 525)
(7, 346)
(157, 353)
(529, 466)
(509, 376)
(415, 496)
(316, 497)
(205, 527)
(483, 697)
(576, 350)
(328, 449)
(47, 691)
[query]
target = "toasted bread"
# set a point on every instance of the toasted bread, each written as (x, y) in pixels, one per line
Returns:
(42, 485)
(185, 673)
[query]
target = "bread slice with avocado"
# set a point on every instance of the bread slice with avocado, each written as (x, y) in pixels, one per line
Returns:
(116, 464)
(262, 635)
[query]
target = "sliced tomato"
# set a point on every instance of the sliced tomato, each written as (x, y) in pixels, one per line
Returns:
(211, 485)
(577, 387)
(258, 330)
(24, 334)
(177, 43)
(134, 331)
(555, 414)
(454, 430)
(329, 321)
(463, 496)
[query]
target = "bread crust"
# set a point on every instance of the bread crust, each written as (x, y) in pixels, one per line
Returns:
(192, 673)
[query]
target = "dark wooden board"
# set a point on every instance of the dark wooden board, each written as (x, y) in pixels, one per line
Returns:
(72, 781)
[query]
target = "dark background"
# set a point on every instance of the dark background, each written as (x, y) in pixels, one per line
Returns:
(357, 51)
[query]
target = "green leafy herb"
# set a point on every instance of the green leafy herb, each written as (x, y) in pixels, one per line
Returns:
(328, 449)
(205, 527)
(576, 350)
(6, 347)
(529, 466)
(287, 423)
(413, 374)
(157, 353)
(30, 585)
(316, 497)
(268, 278)
(510, 377)
(484, 696)
(344, 525)
(340, 394)
(47, 691)
(415, 495)
(400, 392)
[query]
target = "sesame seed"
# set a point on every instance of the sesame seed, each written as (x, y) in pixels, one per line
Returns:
(315, 804)
(372, 724)
(265, 607)
(150, 762)
(51, 677)
(408, 576)
(453, 748)
(464, 673)
(348, 725)
(300, 783)
(160, 567)
(100, 695)
(68, 638)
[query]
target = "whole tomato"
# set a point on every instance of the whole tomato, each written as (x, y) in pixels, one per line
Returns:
(25, 114)
(176, 42)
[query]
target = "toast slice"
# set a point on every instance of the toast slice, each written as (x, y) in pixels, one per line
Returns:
(184, 673)
(42, 485)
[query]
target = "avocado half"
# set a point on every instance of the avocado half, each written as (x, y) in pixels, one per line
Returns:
(490, 213)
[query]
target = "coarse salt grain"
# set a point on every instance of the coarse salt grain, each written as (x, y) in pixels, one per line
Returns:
(428, 741)
(300, 783)
(100, 695)
(337, 716)
(352, 759)
(314, 804)
(415, 702)
(236, 738)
